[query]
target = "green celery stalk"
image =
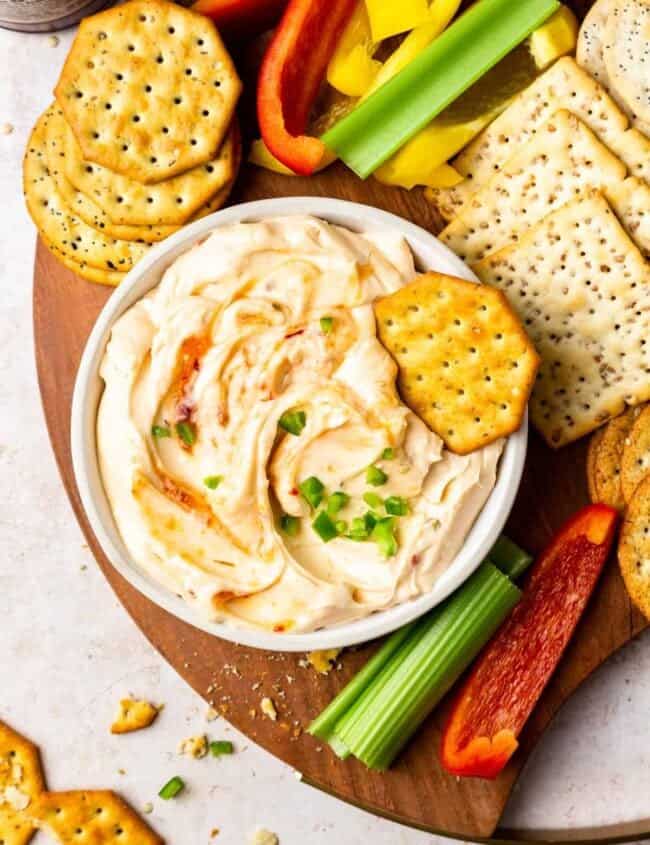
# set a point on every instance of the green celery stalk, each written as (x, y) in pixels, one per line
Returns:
(510, 558)
(418, 676)
(473, 44)
(324, 724)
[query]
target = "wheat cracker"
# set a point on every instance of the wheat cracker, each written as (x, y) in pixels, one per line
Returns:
(634, 548)
(635, 463)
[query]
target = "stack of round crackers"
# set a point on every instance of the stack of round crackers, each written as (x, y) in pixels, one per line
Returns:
(618, 474)
(141, 139)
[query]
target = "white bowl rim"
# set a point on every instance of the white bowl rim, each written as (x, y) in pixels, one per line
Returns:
(355, 216)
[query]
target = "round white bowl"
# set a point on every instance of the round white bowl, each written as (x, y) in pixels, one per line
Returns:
(430, 254)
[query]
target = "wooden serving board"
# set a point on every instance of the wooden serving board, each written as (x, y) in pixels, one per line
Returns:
(415, 791)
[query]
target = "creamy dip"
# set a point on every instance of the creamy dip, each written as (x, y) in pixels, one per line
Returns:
(260, 326)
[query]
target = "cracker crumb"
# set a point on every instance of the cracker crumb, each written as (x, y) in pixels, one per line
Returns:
(323, 661)
(7, 128)
(262, 836)
(147, 808)
(214, 832)
(53, 40)
(133, 715)
(211, 714)
(194, 746)
(268, 708)
(16, 798)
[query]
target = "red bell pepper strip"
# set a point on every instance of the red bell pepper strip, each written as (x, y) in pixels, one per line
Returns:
(241, 17)
(513, 669)
(293, 68)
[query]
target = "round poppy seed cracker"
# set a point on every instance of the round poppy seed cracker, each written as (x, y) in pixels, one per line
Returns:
(112, 278)
(592, 455)
(148, 89)
(634, 548)
(466, 365)
(635, 464)
(82, 205)
(63, 231)
(128, 202)
(607, 467)
(626, 51)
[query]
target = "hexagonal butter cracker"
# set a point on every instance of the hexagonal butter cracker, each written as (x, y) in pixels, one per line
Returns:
(634, 548)
(21, 781)
(635, 461)
(129, 202)
(607, 463)
(582, 289)
(92, 817)
(59, 226)
(466, 365)
(148, 89)
(561, 160)
(133, 715)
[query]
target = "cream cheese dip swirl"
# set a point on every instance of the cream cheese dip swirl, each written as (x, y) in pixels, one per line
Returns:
(256, 454)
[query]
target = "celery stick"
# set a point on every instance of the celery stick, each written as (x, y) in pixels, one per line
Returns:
(441, 649)
(510, 558)
(472, 45)
(324, 724)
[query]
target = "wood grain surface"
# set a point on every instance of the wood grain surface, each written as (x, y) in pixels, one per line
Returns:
(415, 791)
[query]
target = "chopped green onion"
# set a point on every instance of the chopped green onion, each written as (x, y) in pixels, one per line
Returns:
(373, 500)
(341, 526)
(396, 111)
(172, 788)
(376, 476)
(324, 527)
(221, 746)
(187, 432)
(379, 710)
(312, 490)
(512, 560)
(383, 534)
(388, 454)
(396, 505)
(326, 324)
(160, 431)
(370, 519)
(289, 524)
(212, 481)
(293, 421)
(336, 502)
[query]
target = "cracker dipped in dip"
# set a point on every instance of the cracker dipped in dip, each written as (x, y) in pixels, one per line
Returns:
(256, 454)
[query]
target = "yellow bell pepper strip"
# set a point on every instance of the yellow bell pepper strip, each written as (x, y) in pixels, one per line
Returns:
(557, 37)
(263, 157)
(440, 15)
(470, 47)
(352, 68)
(388, 17)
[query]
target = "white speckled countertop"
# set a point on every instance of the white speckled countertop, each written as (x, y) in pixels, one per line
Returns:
(68, 651)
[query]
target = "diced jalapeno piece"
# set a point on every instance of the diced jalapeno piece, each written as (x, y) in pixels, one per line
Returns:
(289, 524)
(293, 421)
(373, 500)
(384, 535)
(336, 502)
(341, 526)
(358, 529)
(326, 324)
(312, 490)
(376, 476)
(324, 527)
(221, 746)
(160, 431)
(388, 454)
(212, 481)
(172, 788)
(396, 505)
(187, 432)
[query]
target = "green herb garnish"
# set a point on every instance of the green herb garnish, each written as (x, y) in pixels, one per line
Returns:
(388, 454)
(212, 481)
(172, 788)
(293, 421)
(326, 324)
(373, 500)
(221, 746)
(187, 432)
(396, 506)
(336, 502)
(324, 527)
(383, 534)
(376, 476)
(312, 490)
(289, 524)
(160, 431)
